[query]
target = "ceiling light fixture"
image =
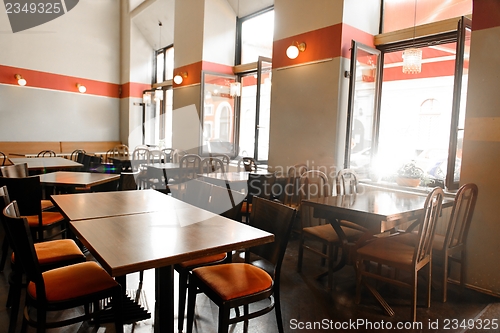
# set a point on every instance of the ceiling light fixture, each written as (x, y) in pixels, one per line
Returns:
(20, 80)
(81, 88)
(412, 57)
(179, 77)
(293, 50)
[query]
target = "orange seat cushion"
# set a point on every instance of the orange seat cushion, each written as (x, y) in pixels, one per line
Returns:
(73, 281)
(48, 218)
(327, 233)
(204, 260)
(234, 280)
(244, 207)
(56, 251)
(388, 251)
(46, 204)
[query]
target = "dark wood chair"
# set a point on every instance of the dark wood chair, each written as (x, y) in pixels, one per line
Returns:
(247, 164)
(28, 193)
(212, 164)
(83, 284)
(402, 257)
(3, 158)
(232, 285)
(190, 167)
(258, 185)
(46, 153)
(75, 153)
(50, 254)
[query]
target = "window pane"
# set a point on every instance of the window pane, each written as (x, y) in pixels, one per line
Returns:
(415, 114)
(264, 112)
(169, 63)
(257, 37)
(218, 115)
(247, 115)
(160, 67)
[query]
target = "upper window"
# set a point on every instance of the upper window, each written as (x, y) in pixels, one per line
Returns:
(164, 63)
(400, 14)
(256, 37)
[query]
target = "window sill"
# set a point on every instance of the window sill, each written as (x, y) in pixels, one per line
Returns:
(392, 186)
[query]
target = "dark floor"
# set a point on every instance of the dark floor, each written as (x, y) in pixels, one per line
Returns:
(308, 307)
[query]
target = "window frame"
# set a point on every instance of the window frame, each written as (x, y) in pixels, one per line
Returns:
(155, 67)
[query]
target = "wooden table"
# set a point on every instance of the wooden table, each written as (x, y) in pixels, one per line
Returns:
(83, 206)
(376, 210)
(130, 243)
(76, 179)
(46, 163)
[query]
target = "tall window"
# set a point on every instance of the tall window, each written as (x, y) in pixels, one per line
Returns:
(164, 64)
(421, 116)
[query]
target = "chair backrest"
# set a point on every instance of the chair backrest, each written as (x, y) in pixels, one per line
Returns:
(291, 195)
(247, 164)
(15, 170)
(347, 182)
(156, 156)
(27, 191)
(190, 165)
(169, 153)
(461, 216)
(260, 185)
(212, 164)
(432, 210)
(197, 193)
(140, 153)
(22, 244)
(3, 158)
(75, 154)
(120, 150)
(46, 153)
(297, 170)
(225, 202)
(225, 159)
(177, 154)
(275, 218)
(313, 184)
(91, 162)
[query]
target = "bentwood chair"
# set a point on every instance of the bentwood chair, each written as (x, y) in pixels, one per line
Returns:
(82, 284)
(50, 254)
(232, 285)
(452, 246)
(247, 164)
(402, 257)
(315, 231)
(212, 164)
(46, 153)
(190, 167)
(75, 153)
(168, 153)
(28, 193)
(221, 201)
(3, 158)
(225, 159)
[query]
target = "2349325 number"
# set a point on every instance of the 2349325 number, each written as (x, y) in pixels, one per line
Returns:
(484, 324)
(33, 8)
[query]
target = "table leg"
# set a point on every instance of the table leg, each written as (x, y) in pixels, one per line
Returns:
(164, 305)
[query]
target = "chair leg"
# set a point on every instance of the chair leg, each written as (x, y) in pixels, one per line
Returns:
(191, 304)
(359, 280)
(277, 308)
(118, 312)
(413, 308)
(183, 285)
(445, 277)
(463, 269)
(5, 251)
(301, 253)
(15, 295)
(223, 319)
(330, 266)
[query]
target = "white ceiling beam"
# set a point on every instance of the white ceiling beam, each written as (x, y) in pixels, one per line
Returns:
(137, 10)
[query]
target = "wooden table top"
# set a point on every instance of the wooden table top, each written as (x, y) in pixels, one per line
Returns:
(83, 206)
(68, 178)
(376, 210)
(130, 243)
(40, 163)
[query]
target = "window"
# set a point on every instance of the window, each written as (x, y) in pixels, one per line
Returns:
(255, 36)
(164, 64)
(415, 117)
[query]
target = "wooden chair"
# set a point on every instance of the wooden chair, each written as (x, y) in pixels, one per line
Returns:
(190, 167)
(291, 195)
(221, 201)
(75, 153)
(347, 182)
(225, 159)
(450, 247)
(258, 185)
(28, 193)
(169, 153)
(314, 184)
(403, 257)
(46, 153)
(139, 157)
(20, 171)
(83, 284)
(3, 158)
(232, 285)
(51, 254)
(247, 164)
(212, 164)
(120, 150)
(177, 154)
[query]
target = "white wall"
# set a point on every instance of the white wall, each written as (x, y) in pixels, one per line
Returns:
(83, 43)
(219, 34)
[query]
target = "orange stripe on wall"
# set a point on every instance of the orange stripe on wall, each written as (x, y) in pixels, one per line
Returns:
(330, 42)
(133, 89)
(485, 14)
(44, 80)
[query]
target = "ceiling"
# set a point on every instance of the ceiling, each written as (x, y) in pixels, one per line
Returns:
(147, 15)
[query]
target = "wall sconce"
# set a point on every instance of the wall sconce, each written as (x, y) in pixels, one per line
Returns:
(20, 80)
(179, 77)
(81, 88)
(293, 50)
